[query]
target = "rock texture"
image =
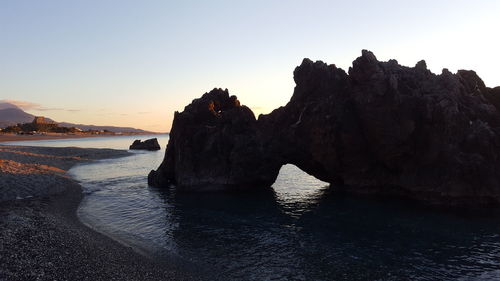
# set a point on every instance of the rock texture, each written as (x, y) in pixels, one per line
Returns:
(380, 128)
(214, 144)
(151, 144)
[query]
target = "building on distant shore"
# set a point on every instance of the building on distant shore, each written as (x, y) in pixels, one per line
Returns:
(40, 120)
(40, 124)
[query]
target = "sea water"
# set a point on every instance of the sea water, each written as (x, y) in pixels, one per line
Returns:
(300, 229)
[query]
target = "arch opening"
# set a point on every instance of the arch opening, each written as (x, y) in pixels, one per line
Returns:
(294, 187)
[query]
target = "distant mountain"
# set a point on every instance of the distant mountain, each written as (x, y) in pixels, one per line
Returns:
(4, 105)
(11, 115)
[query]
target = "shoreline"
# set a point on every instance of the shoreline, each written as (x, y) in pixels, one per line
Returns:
(42, 237)
(14, 138)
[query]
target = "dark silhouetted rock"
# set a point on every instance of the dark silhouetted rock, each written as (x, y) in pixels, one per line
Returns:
(151, 144)
(381, 128)
(214, 145)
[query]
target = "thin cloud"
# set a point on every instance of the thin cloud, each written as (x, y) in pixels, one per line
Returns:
(41, 108)
(26, 105)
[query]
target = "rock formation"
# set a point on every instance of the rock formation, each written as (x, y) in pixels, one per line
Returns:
(214, 144)
(381, 128)
(151, 144)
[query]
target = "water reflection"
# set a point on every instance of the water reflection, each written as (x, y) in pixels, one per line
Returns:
(296, 191)
(234, 233)
(259, 237)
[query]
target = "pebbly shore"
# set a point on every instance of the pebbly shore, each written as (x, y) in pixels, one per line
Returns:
(41, 237)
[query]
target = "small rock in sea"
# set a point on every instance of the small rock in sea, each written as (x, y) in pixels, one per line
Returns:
(151, 144)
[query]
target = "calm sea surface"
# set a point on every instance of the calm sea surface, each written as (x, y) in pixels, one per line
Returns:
(298, 230)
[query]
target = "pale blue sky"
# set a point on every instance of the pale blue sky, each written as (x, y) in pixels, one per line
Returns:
(135, 62)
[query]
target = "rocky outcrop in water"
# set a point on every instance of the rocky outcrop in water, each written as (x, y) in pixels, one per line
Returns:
(380, 128)
(214, 144)
(151, 144)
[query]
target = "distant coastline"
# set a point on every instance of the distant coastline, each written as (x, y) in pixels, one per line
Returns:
(55, 136)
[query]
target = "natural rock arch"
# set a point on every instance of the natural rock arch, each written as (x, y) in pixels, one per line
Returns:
(381, 127)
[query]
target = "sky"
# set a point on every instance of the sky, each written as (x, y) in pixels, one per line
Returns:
(133, 63)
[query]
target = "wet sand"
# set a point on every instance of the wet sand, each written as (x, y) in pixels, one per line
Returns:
(41, 237)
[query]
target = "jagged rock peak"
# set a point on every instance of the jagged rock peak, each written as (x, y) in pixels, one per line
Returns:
(368, 56)
(213, 103)
(422, 65)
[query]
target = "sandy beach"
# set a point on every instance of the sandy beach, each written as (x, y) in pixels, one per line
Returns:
(41, 237)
